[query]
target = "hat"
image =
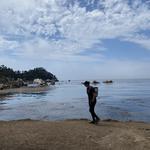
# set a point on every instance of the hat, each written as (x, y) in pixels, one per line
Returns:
(86, 83)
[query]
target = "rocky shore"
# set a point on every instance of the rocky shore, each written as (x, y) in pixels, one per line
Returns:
(25, 90)
(37, 77)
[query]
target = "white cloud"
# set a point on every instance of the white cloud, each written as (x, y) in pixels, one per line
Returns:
(7, 44)
(50, 26)
(139, 39)
(109, 69)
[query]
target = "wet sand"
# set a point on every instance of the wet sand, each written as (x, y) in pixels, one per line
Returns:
(25, 90)
(74, 135)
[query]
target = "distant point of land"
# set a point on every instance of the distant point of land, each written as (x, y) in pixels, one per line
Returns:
(16, 79)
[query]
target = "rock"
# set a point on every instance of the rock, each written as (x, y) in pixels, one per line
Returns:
(108, 81)
(95, 82)
(38, 81)
(4, 86)
(1, 86)
(16, 83)
(50, 82)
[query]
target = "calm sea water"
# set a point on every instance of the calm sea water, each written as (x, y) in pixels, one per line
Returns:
(123, 100)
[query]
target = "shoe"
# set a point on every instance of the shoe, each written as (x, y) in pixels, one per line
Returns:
(97, 120)
(93, 122)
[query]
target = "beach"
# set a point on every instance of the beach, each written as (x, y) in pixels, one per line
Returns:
(74, 135)
(55, 117)
(75, 75)
(24, 90)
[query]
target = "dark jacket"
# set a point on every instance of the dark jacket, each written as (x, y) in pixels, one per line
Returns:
(90, 93)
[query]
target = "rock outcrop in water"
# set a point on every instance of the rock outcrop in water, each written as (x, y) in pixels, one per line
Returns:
(108, 81)
(95, 82)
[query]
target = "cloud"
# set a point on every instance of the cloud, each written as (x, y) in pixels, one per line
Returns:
(139, 39)
(7, 44)
(108, 69)
(66, 28)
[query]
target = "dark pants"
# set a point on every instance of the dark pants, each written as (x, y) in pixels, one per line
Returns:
(92, 106)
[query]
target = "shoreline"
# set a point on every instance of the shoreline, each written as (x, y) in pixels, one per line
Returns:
(74, 134)
(79, 119)
(25, 90)
(75, 119)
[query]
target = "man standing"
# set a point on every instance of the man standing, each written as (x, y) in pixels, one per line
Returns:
(92, 101)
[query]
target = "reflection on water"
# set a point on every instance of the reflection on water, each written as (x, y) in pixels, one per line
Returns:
(122, 100)
(5, 97)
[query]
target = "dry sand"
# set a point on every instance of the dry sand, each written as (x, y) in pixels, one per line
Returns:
(74, 135)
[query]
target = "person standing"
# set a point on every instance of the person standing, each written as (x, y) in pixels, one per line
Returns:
(92, 101)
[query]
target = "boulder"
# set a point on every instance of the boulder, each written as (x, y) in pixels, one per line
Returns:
(1, 86)
(38, 81)
(95, 82)
(108, 81)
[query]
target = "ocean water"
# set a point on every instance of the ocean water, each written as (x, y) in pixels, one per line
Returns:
(123, 100)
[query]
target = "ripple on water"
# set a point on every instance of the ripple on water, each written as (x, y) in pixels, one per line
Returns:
(123, 100)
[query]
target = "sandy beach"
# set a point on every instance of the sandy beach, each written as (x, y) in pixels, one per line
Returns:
(25, 90)
(74, 135)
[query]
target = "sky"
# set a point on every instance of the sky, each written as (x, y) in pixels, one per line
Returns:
(77, 39)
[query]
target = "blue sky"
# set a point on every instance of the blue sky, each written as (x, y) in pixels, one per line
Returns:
(125, 50)
(77, 39)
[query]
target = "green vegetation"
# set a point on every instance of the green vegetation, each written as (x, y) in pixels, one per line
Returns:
(8, 74)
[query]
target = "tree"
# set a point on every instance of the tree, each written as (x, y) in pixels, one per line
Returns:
(9, 74)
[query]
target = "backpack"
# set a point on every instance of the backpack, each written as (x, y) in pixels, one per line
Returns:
(96, 90)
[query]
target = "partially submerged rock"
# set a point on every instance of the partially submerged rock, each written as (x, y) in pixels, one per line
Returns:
(108, 81)
(95, 82)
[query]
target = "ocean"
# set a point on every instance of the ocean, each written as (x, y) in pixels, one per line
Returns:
(122, 100)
